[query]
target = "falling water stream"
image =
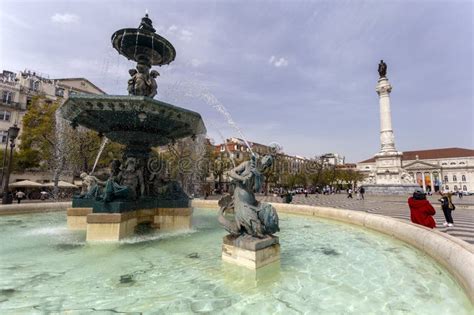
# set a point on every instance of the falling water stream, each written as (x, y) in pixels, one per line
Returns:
(102, 146)
(197, 91)
(214, 102)
(59, 151)
(193, 90)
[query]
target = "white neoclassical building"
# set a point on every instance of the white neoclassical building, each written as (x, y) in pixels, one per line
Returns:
(437, 169)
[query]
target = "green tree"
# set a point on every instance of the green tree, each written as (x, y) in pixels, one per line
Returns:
(84, 145)
(188, 161)
(221, 164)
(38, 134)
(49, 148)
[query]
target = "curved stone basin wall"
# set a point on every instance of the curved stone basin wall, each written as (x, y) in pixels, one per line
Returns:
(34, 207)
(454, 254)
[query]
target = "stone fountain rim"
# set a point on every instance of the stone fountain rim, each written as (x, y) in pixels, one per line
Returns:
(133, 98)
(76, 104)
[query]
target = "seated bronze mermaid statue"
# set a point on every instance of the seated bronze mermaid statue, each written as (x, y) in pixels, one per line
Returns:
(251, 216)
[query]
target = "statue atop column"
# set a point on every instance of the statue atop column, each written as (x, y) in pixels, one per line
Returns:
(147, 24)
(382, 69)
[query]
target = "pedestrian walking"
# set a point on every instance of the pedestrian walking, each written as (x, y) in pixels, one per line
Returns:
(358, 194)
(421, 210)
(448, 207)
(362, 192)
(349, 193)
(19, 196)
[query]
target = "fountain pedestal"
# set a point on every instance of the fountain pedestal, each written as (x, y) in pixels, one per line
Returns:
(77, 218)
(250, 252)
(116, 226)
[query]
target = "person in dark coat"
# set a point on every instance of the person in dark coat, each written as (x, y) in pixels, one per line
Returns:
(421, 210)
(447, 207)
(349, 193)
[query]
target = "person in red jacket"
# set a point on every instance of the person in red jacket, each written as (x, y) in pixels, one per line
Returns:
(421, 210)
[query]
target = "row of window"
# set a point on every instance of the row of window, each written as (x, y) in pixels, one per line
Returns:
(236, 147)
(453, 163)
(435, 177)
(455, 188)
(8, 96)
(455, 178)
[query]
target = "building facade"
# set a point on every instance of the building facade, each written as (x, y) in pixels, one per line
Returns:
(17, 91)
(236, 150)
(448, 169)
(332, 159)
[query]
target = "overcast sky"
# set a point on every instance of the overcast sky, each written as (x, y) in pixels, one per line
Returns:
(299, 73)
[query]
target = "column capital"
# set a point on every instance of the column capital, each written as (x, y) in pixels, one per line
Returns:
(383, 87)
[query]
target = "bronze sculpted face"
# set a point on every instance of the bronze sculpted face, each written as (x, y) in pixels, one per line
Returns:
(131, 164)
(266, 161)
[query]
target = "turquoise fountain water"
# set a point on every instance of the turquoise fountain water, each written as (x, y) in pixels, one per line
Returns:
(331, 268)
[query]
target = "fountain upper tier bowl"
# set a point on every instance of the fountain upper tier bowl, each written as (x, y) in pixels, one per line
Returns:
(143, 46)
(132, 120)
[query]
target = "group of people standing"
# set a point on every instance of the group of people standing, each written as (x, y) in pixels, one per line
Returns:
(359, 193)
(422, 212)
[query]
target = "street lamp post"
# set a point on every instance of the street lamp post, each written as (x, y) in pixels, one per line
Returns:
(12, 134)
(5, 153)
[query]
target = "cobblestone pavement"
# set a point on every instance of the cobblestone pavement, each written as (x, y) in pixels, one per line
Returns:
(395, 207)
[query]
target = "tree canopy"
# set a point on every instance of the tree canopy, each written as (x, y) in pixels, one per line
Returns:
(46, 142)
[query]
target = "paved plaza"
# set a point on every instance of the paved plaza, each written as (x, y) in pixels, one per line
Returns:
(393, 206)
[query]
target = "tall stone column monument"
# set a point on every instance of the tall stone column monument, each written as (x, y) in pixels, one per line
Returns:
(388, 176)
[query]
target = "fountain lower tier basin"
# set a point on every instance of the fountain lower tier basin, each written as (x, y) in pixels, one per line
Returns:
(325, 268)
(132, 120)
(117, 226)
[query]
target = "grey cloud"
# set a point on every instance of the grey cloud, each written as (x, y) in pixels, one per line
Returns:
(323, 101)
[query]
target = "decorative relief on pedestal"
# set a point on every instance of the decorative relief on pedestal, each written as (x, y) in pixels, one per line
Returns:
(407, 178)
(387, 137)
(387, 162)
